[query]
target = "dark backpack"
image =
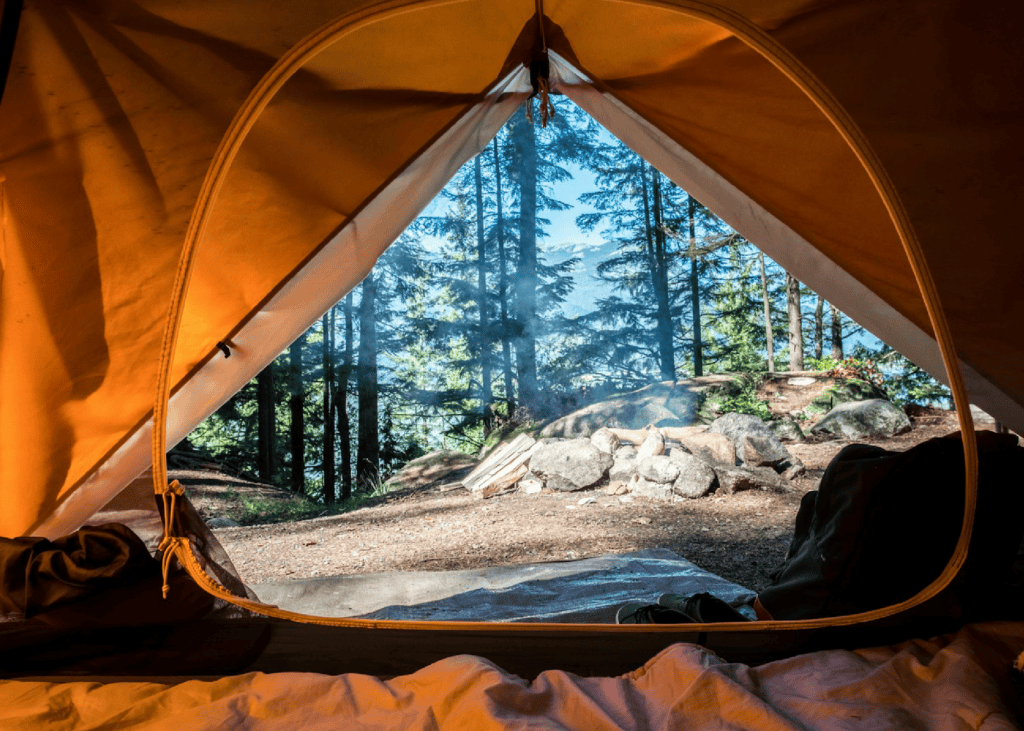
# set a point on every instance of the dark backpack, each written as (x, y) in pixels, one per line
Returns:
(883, 525)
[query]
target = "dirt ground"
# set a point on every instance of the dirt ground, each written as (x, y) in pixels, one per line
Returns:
(740, 537)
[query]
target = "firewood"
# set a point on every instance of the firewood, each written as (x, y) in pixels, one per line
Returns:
(498, 461)
(504, 484)
(633, 436)
(510, 466)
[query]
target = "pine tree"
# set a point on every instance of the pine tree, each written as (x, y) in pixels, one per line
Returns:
(266, 407)
(639, 269)
(837, 334)
(341, 404)
(296, 404)
(769, 333)
(737, 337)
(328, 396)
(796, 335)
(368, 443)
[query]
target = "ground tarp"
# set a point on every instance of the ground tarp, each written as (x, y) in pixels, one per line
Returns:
(590, 590)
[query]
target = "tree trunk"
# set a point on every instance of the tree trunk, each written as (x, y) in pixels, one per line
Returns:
(368, 450)
(341, 406)
(659, 278)
(296, 404)
(837, 334)
(506, 349)
(666, 357)
(698, 338)
(266, 400)
(526, 268)
(328, 402)
(484, 336)
(819, 327)
(796, 334)
(769, 332)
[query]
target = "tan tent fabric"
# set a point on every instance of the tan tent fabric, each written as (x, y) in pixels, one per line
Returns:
(113, 111)
(953, 682)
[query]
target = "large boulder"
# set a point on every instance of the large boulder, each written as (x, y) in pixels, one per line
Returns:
(682, 474)
(623, 467)
(642, 487)
(786, 429)
(761, 451)
(862, 419)
(605, 440)
(660, 404)
(844, 392)
(711, 447)
(696, 478)
(754, 441)
(571, 464)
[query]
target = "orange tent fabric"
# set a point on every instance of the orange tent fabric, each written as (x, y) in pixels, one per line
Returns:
(952, 682)
(113, 112)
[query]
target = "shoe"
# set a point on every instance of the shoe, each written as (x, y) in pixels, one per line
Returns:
(703, 608)
(637, 613)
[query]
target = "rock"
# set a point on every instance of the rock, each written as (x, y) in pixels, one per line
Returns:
(658, 468)
(669, 421)
(586, 501)
(626, 451)
(605, 440)
(739, 426)
(845, 392)
(677, 449)
(737, 479)
(711, 447)
(645, 488)
(653, 445)
(861, 419)
(531, 485)
(642, 520)
(794, 469)
(760, 451)
(623, 468)
(568, 465)
(221, 522)
(786, 429)
(616, 487)
(696, 477)
(668, 403)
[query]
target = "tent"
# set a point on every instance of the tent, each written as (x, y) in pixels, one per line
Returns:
(185, 187)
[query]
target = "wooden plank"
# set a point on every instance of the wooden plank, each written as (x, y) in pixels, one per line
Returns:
(504, 483)
(496, 457)
(516, 464)
(512, 456)
(682, 433)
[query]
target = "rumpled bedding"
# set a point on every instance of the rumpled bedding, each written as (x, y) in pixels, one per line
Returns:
(958, 681)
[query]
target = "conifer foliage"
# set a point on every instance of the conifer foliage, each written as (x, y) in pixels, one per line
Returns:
(485, 314)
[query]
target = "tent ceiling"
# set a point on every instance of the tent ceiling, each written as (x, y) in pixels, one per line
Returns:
(113, 111)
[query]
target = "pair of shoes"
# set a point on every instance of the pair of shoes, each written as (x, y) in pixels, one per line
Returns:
(637, 613)
(703, 608)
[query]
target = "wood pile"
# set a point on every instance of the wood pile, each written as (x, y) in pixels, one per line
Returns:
(501, 471)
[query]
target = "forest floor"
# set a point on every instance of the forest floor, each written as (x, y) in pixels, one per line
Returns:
(418, 527)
